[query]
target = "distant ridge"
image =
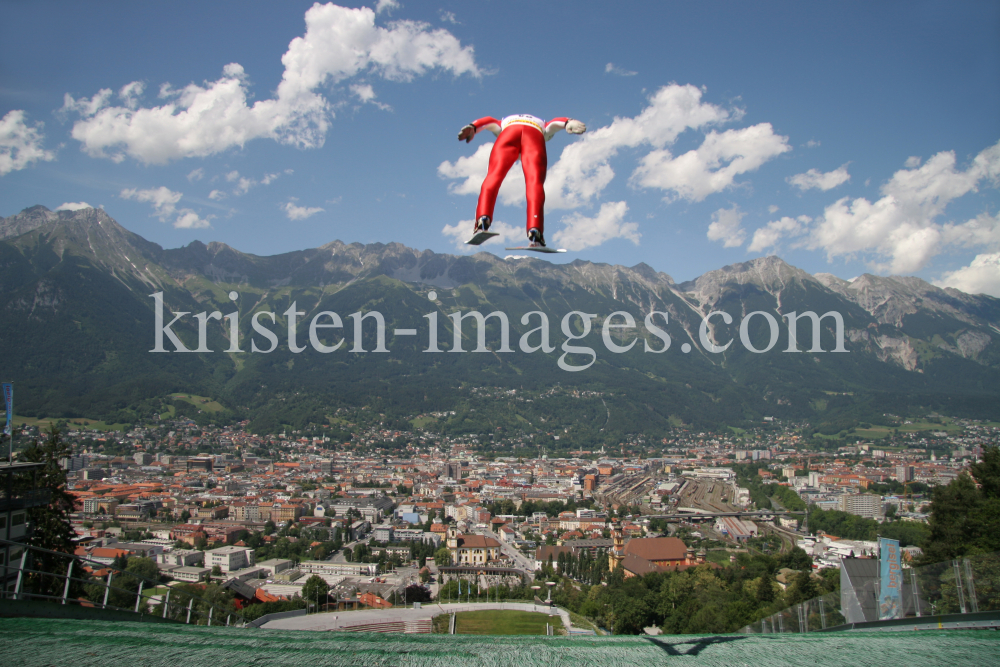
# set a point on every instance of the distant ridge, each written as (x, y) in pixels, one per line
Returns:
(77, 326)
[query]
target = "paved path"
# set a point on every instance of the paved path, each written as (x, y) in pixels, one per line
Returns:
(521, 561)
(345, 619)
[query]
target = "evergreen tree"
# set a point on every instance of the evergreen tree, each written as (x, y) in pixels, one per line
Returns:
(315, 590)
(442, 557)
(963, 521)
(50, 525)
(803, 588)
(765, 589)
(987, 473)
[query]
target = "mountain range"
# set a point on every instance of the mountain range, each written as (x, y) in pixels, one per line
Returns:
(77, 326)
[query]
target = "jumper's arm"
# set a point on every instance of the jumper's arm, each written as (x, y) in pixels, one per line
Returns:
(470, 130)
(570, 125)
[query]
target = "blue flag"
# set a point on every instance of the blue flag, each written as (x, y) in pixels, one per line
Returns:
(891, 574)
(8, 404)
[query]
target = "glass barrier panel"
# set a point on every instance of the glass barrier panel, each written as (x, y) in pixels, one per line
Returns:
(983, 585)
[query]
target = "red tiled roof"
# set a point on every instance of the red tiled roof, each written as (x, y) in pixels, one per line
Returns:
(657, 548)
(477, 542)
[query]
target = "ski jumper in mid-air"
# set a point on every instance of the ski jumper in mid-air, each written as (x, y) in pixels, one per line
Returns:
(521, 136)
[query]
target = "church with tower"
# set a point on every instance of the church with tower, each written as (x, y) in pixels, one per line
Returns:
(642, 555)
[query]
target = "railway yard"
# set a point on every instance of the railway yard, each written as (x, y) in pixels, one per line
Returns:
(707, 494)
(702, 494)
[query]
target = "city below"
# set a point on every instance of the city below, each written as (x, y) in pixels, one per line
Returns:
(264, 514)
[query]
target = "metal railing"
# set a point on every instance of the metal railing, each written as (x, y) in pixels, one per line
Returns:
(966, 587)
(60, 578)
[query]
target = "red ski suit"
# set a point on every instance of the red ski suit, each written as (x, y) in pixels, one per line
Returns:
(521, 136)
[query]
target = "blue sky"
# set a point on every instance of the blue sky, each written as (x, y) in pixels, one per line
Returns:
(847, 137)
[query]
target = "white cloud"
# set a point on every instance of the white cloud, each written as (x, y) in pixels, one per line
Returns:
(73, 206)
(270, 178)
(583, 169)
(201, 120)
(901, 227)
(812, 144)
(461, 231)
(84, 106)
(900, 232)
(982, 276)
(196, 175)
(188, 219)
(163, 199)
(773, 208)
(448, 17)
(363, 91)
(386, 6)
(244, 184)
(164, 202)
(196, 122)
(366, 94)
(981, 231)
(299, 212)
(726, 226)
(130, 93)
(579, 232)
(912, 162)
(714, 165)
(823, 181)
(341, 42)
(611, 68)
(20, 145)
(217, 195)
(769, 235)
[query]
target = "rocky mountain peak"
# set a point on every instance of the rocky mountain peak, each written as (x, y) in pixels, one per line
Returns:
(891, 298)
(772, 274)
(832, 282)
(25, 221)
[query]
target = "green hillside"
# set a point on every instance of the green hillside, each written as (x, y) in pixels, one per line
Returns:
(79, 326)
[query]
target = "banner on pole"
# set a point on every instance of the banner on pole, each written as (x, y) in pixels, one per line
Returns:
(8, 404)
(890, 599)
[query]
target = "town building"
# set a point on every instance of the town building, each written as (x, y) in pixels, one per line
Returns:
(642, 555)
(862, 504)
(229, 558)
(471, 549)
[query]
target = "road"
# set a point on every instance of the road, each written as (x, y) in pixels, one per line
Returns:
(345, 619)
(339, 556)
(520, 560)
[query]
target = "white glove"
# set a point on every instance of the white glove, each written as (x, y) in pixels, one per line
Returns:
(467, 133)
(575, 127)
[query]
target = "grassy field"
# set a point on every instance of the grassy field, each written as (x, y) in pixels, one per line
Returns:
(882, 431)
(43, 423)
(505, 623)
(720, 556)
(159, 590)
(582, 622)
(201, 402)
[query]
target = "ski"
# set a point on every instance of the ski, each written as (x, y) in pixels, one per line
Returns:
(540, 248)
(479, 237)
